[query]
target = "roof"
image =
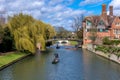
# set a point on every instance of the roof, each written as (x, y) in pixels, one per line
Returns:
(96, 19)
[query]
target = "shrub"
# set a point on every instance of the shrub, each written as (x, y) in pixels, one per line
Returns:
(106, 41)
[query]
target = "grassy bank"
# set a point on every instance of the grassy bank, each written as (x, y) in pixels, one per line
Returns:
(8, 58)
(73, 43)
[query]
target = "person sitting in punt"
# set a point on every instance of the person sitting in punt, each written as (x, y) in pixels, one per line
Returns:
(57, 46)
(56, 55)
(56, 59)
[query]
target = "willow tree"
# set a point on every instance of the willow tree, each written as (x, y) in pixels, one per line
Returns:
(50, 32)
(27, 32)
(1, 33)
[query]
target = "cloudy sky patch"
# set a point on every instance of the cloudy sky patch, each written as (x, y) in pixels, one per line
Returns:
(57, 12)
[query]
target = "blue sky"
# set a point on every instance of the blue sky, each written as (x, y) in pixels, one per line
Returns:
(57, 12)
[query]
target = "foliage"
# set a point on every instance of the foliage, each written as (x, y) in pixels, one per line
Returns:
(7, 40)
(109, 49)
(77, 26)
(93, 34)
(50, 32)
(80, 33)
(62, 32)
(102, 48)
(1, 33)
(118, 55)
(106, 41)
(73, 42)
(27, 32)
(115, 42)
(93, 30)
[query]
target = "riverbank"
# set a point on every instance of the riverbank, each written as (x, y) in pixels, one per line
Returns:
(11, 58)
(111, 57)
(73, 43)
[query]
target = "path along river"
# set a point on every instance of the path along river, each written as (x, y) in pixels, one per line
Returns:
(74, 65)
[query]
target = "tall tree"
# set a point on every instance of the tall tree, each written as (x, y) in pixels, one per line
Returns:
(93, 29)
(62, 32)
(27, 32)
(1, 33)
(50, 31)
(77, 26)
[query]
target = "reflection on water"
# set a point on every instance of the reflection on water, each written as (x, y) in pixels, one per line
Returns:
(74, 65)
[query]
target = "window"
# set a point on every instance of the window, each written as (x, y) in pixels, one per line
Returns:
(106, 30)
(101, 23)
(116, 31)
(117, 24)
(88, 23)
(101, 30)
(87, 30)
(98, 30)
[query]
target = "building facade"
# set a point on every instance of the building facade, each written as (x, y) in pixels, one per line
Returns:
(105, 25)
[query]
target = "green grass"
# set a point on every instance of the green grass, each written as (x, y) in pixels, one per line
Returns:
(5, 59)
(73, 43)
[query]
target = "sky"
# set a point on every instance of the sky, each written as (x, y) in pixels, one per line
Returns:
(57, 12)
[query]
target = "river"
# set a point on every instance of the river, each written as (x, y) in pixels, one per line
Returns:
(74, 65)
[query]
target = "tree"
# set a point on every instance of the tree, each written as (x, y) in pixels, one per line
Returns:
(77, 26)
(8, 40)
(93, 34)
(50, 32)
(27, 32)
(93, 29)
(1, 33)
(62, 32)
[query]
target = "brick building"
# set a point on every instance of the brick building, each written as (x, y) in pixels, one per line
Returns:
(106, 26)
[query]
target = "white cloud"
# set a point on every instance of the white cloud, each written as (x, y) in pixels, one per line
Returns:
(56, 2)
(2, 1)
(54, 12)
(117, 12)
(116, 6)
(85, 2)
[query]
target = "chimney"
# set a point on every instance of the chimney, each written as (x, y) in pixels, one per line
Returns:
(104, 12)
(111, 10)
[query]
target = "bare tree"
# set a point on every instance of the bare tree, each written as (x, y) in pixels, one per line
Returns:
(93, 30)
(77, 26)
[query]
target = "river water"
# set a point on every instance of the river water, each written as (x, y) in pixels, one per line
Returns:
(74, 65)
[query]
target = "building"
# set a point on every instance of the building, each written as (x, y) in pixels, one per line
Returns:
(106, 26)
